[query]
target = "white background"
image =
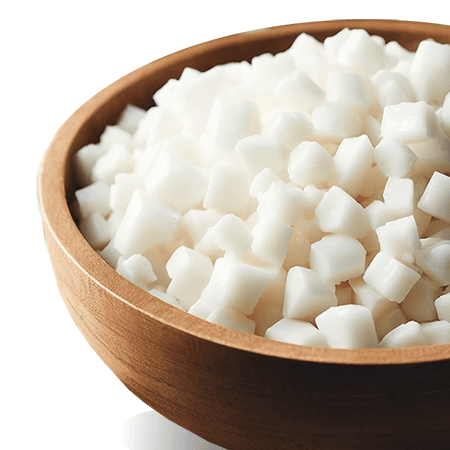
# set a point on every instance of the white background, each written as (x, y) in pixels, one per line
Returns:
(55, 393)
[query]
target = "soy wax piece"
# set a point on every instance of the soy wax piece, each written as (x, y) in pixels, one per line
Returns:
(233, 319)
(353, 160)
(310, 163)
(430, 71)
(405, 335)
(436, 198)
(436, 332)
(409, 122)
(165, 297)
(190, 272)
(361, 54)
(289, 127)
(336, 121)
(367, 296)
(390, 277)
(442, 304)
(296, 332)
(228, 190)
(348, 326)
(337, 258)
(307, 295)
(434, 259)
(93, 198)
(394, 158)
(146, 223)
(338, 212)
(399, 236)
(259, 151)
(271, 239)
(232, 235)
(95, 230)
(419, 303)
(138, 270)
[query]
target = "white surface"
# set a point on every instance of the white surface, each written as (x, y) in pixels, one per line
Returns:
(55, 392)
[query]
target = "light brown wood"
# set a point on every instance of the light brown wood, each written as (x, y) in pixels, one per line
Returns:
(239, 391)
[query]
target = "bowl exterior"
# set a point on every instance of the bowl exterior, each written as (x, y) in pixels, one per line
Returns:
(238, 391)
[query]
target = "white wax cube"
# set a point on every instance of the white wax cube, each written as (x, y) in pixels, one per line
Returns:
(399, 236)
(310, 163)
(442, 305)
(146, 223)
(269, 70)
(350, 88)
(271, 240)
(436, 198)
(337, 258)
(361, 54)
(336, 121)
(307, 295)
(230, 121)
(197, 221)
(113, 135)
(269, 308)
(298, 251)
(434, 260)
(430, 71)
(353, 160)
(392, 88)
(116, 160)
(157, 124)
(419, 303)
(394, 158)
(405, 335)
(165, 297)
(436, 332)
(289, 127)
(242, 285)
(340, 213)
(392, 319)
(233, 319)
(262, 181)
(201, 308)
(83, 161)
(130, 118)
(138, 270)
(284, 203)
(298, 91)
(228, 190)
(95, 230)
(181, 186)
(198, 94)
(409, 122)
(259, 151)
(190, 272)
(296, 332)
(390, 277)
(367, 296)
(348, 326)
(122, 189)
(110, 255)
(93, 198)
(399, 196)
(232, 235)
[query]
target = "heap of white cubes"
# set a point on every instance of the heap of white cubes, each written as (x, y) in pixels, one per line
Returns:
(303, 196)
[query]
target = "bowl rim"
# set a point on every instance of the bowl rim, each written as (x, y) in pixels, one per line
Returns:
(58, 219)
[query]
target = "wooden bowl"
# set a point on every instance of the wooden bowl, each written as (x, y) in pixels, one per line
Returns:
(236, 390)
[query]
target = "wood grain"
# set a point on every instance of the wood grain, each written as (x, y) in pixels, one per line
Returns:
(239, 391)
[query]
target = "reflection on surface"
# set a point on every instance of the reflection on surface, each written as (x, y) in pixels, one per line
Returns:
(152, 431)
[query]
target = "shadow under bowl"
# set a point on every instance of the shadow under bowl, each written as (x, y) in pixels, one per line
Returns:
(239, 391)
